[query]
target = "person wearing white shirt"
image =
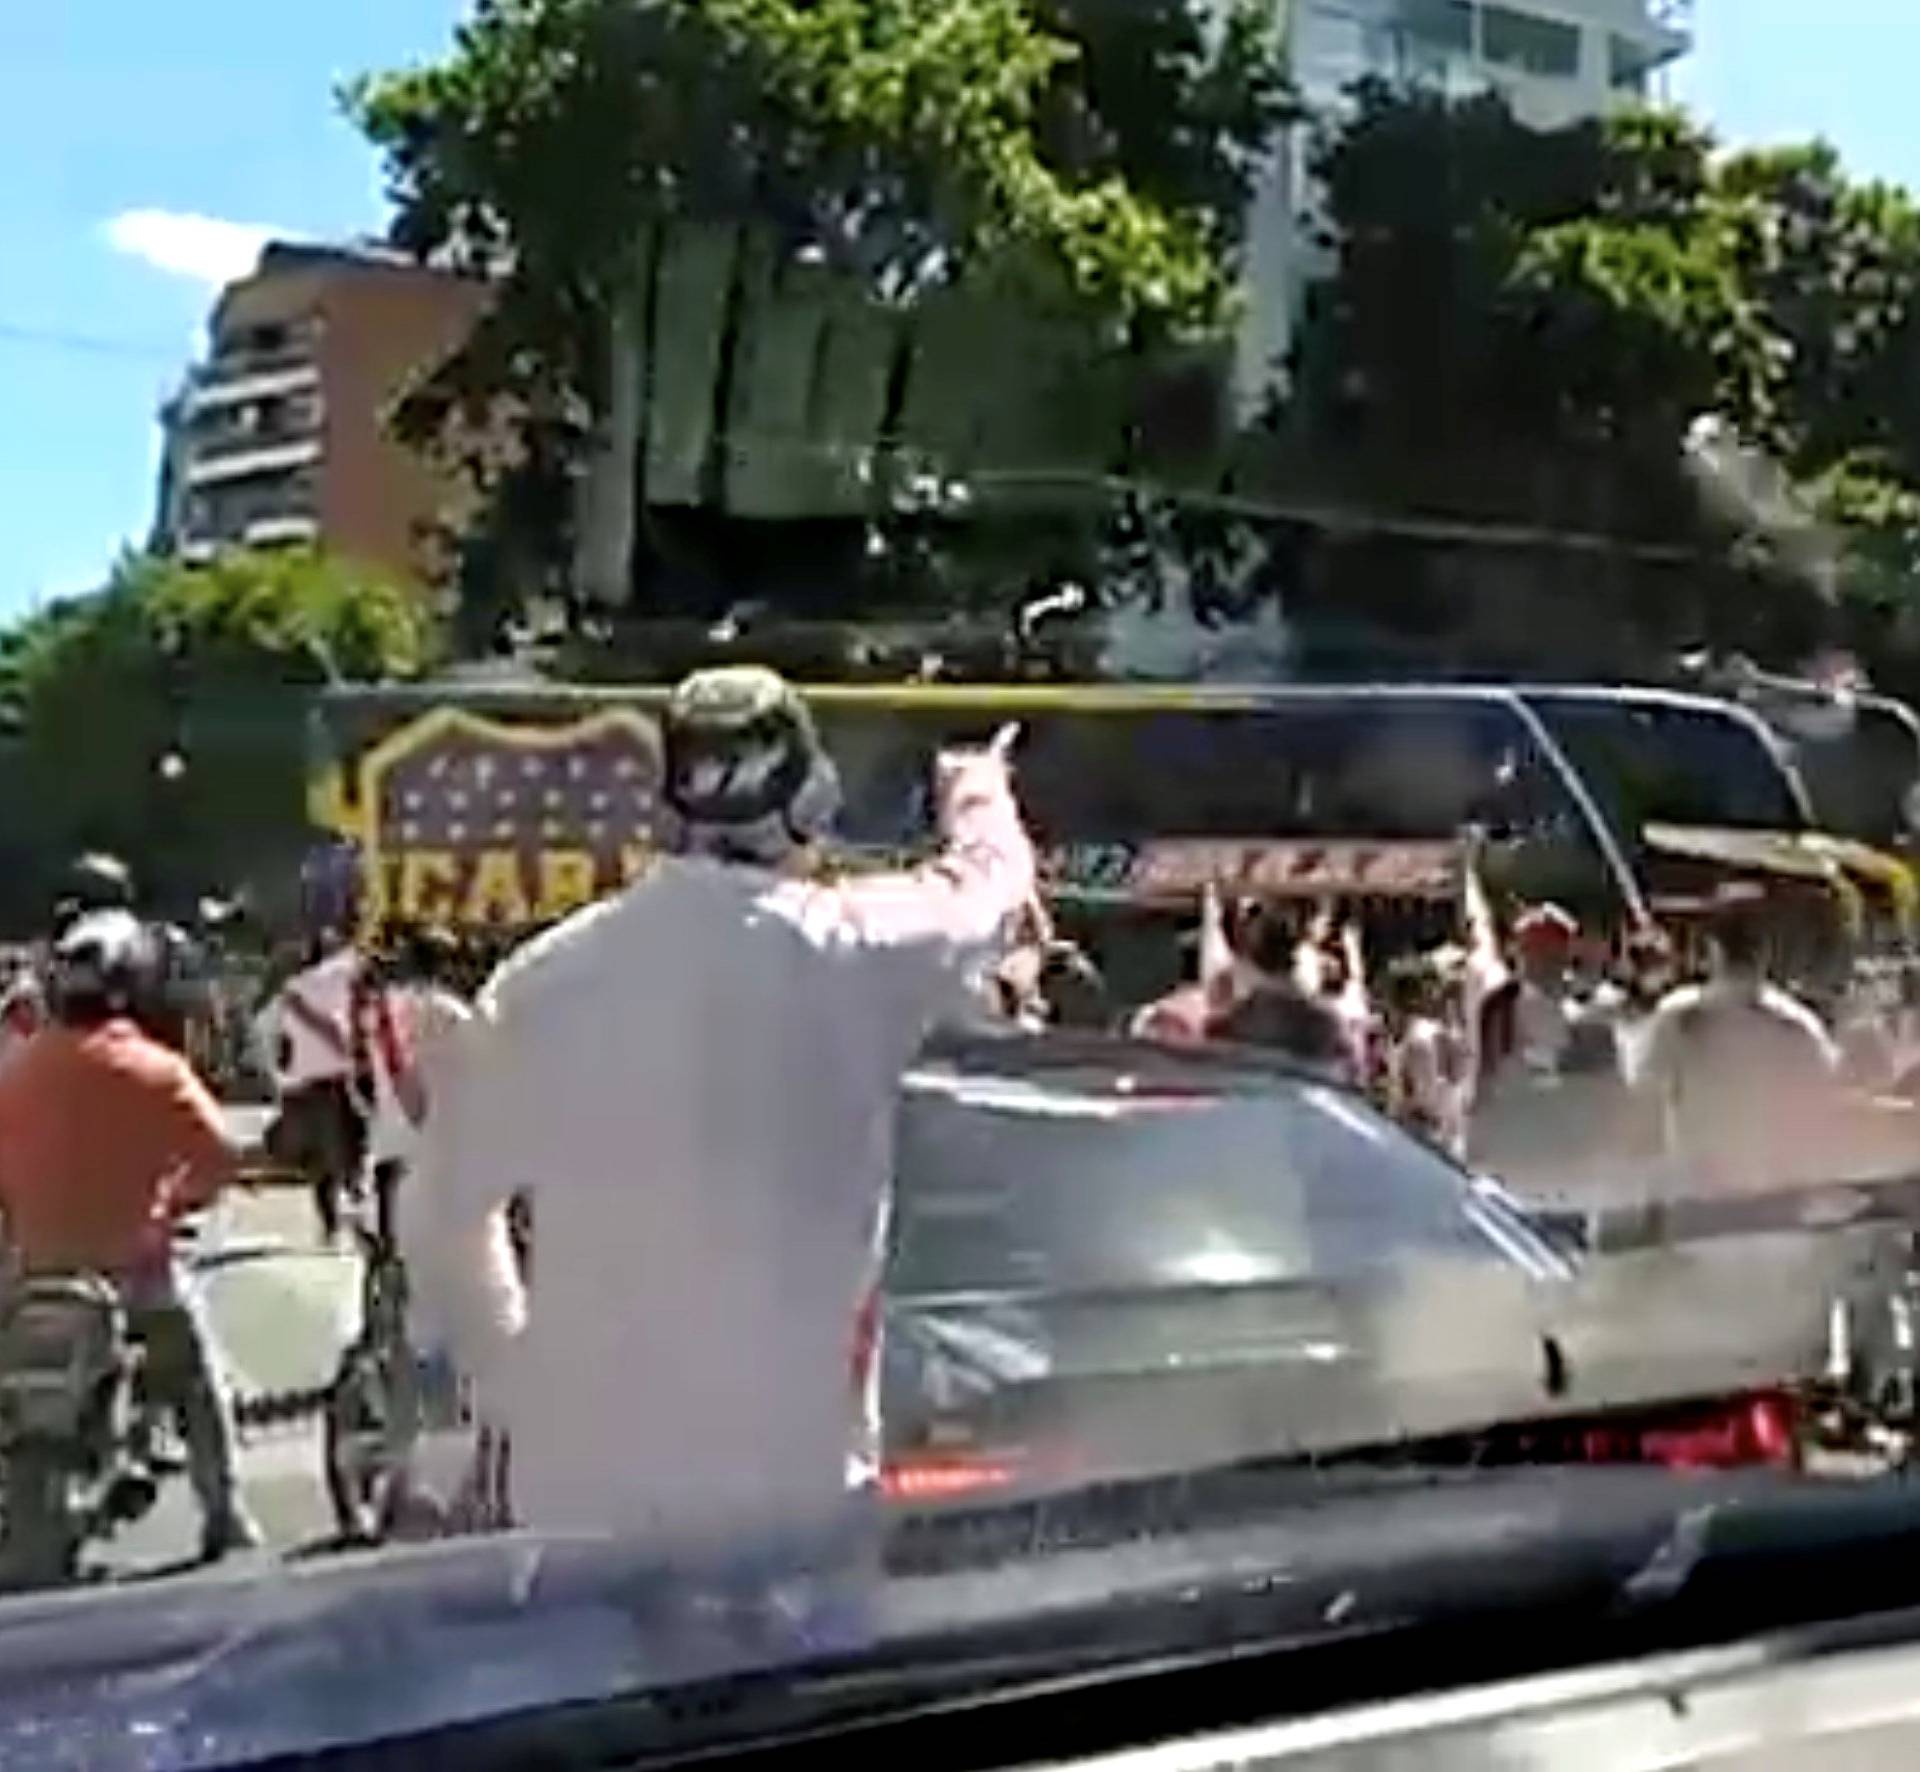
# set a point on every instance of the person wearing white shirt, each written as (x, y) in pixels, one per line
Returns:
(1549, 1111)
(695, 1085)
(1744, 1077)
(306, 1032)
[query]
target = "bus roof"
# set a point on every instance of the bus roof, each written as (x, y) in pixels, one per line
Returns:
(486, 691)
(1637, 695)
(1093, 697)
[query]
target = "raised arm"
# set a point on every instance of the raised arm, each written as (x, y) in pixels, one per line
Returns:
(1217, 969)
(960, 902)
(1482, 931)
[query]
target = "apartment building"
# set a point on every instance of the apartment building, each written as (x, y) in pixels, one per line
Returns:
(279, 437)
(1555, 62)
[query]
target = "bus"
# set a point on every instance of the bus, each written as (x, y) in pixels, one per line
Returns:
(495, 809)
(1564, 784)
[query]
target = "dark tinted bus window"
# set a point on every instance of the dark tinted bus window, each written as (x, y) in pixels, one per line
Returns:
(1860, 783)
(1653, 764)
(1385, 768)
(884, 754)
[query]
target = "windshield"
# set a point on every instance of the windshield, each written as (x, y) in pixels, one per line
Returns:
(1362, 766)
(1653, 763)
(1862, 784)
(841, 839)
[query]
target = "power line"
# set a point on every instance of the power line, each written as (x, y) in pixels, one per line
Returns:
(92, 344)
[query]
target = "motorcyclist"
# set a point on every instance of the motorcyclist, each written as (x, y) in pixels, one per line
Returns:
(695, 1082)
(107, 1138)
(92, 882)
(95, 881)
(98, 881)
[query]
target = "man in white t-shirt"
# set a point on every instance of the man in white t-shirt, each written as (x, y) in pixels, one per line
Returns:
(695, 1082)
(1744, 1077)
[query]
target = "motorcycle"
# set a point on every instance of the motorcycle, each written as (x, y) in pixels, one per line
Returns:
(78, 1433)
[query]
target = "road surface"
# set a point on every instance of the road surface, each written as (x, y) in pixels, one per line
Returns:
(282, 1308)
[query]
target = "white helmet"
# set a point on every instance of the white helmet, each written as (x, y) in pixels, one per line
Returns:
(104, 965)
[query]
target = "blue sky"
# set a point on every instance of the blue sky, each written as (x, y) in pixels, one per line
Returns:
(148, 114)
(176, 133)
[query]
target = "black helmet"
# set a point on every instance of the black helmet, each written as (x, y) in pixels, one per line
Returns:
(421, 954)
(104, 964)
(93, 882)
(743, 766)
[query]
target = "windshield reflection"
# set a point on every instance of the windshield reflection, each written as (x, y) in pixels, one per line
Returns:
(924, 845)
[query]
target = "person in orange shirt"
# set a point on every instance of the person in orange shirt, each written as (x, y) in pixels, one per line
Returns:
(107, 1138)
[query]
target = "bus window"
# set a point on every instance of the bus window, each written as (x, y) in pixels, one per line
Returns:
(884, 754)
(1665, 763)
(1862, 783)
(1365, 766)
(1323, 768)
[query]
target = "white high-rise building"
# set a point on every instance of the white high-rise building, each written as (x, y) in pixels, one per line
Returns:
(1554, 61)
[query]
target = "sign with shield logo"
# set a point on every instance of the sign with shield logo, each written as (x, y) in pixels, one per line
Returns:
(476, 823)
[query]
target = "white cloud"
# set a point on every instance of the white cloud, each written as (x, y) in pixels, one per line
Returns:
(202, 247)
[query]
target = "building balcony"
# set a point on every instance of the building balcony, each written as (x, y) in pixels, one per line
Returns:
(251, 459)
(217, 387)
(285, 530)
(290, 530)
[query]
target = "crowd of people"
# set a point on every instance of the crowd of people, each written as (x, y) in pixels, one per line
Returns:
(690, 1089)
(1584, 1071)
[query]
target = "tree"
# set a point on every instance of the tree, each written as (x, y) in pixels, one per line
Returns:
(1835, 269)
(1181, 101)
(1079, 161)
(164, 716)
(1528, 288)
(1553, 315)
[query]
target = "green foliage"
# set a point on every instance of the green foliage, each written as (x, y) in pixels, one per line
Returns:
(285, 612)
(1640, 328)
(164, 715)
(1576, 286)
(1581, 297)
(1429, 207)
(1836, 269)
(897, 136)
(1181, 101)
(1072, 158)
